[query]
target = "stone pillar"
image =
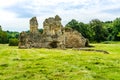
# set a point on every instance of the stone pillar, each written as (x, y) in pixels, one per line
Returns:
(33, 25)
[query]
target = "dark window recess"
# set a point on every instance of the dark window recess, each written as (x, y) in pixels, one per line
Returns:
(53, 44)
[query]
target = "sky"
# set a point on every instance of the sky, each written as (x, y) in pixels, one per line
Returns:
(15, 14)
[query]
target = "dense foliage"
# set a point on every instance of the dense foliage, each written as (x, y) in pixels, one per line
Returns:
(116, 24)
(12, 34)
(8, 36)
(13, 42)
(3, 37)
(13, 38)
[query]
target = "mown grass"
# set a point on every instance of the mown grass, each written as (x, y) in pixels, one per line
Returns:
(56, 64)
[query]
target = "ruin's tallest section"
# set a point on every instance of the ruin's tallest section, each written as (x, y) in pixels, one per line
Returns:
(52, 26)
(53, 32)
(33, 25)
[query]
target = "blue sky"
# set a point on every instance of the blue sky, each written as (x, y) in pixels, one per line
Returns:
(15, 14)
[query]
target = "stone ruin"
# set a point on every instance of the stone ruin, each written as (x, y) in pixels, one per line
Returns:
(54, 35)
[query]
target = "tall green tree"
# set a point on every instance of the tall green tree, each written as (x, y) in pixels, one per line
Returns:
(98, 31)
(3, 37)
(108, 26)
(85, 30)
(74, 24)
(116, 24)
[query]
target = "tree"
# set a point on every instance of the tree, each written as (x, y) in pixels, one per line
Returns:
(74, 24)
(116, 24)
(12, 35)
(108, 26)
(41, 31)
(3, 37)
(85, 30)
(98, 30)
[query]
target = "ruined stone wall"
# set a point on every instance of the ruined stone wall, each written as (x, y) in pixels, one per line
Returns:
(74, 39)
(54, 35)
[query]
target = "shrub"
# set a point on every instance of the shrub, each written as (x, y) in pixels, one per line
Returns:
(13, 42)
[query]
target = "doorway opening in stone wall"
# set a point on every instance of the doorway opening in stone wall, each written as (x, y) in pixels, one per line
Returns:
(53, 44)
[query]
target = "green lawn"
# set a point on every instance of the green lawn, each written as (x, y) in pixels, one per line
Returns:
(56, 64)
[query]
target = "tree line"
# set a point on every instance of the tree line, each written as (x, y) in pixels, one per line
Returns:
(10, 37)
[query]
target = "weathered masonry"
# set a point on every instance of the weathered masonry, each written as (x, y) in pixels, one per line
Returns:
(54, 35)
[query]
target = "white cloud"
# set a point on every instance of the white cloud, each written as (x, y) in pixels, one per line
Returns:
(18, 12)
(6, 3)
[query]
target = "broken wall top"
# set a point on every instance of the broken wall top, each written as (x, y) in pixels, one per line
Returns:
(33, 21)
(52, 25)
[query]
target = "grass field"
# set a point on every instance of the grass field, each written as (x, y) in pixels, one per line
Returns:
(56, 64)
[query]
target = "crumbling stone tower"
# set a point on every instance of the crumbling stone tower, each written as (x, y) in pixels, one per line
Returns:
(33, 25)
